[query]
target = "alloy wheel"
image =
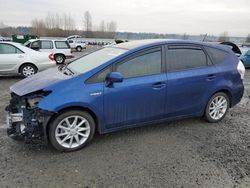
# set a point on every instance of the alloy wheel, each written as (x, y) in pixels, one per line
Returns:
(218, 107)
(72, 132)
(59, 59)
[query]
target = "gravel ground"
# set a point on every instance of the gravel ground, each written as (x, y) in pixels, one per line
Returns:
(187, 153)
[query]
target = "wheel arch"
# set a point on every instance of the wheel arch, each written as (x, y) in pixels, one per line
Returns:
(226, 91)
(56, 54)
(81, 108)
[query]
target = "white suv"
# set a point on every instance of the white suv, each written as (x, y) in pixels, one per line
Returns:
(60, 48)
(77, 44)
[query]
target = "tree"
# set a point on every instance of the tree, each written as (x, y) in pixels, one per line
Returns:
(38, 27)
(248, 38)
(185, 36)
(224, 37)
(111, 29)
(87, 21)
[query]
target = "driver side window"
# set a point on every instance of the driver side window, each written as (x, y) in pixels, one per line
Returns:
(35, 45)
(148, 63)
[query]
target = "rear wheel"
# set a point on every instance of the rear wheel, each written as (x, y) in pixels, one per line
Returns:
(28, 70)
(71, 130)
(59, 59)
(78, 48)
(217, 107)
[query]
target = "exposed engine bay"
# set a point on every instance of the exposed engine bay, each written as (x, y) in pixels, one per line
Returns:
(25, 120)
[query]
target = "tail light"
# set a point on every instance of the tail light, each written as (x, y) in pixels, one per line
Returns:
(241, 69)
(51, 57)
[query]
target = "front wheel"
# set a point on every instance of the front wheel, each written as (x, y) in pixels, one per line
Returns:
(71, 130)
(217, 107)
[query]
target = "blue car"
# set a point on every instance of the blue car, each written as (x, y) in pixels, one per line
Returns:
(245, 58)
(123, 86)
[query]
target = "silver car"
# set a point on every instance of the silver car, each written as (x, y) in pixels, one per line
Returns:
(18, 59)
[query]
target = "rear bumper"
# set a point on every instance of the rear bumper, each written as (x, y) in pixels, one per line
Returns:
(45, 65)
(69, 56)
(237, 94)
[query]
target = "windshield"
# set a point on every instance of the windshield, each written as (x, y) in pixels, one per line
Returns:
(94, 59)
(27, 43)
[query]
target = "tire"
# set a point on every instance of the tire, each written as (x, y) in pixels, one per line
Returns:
(28, 70)
(78, 48)
(60, 59)
(217, 107)
(67, 127)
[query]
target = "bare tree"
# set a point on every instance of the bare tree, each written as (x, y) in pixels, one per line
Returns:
(224, 37)
(248, 38)
(102, 26)
(111, 29)
(185, 36)
(87, 20)
(38, 27)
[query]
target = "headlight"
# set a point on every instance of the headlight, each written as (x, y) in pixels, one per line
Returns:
(33, 102)
(33, 99)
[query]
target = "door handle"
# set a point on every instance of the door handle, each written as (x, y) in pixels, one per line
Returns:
(211, 77)
(159, 85)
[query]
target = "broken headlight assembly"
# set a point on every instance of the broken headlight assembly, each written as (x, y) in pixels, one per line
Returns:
(33, 99)
(24, 118)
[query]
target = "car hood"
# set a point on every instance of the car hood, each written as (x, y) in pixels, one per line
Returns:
(38, 81)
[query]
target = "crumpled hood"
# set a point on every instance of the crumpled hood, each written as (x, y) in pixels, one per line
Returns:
(38, 81)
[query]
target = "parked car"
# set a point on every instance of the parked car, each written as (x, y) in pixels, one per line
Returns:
(18, 59)
(78, 45)
(124, 86)
(245, 58)
(73, 37)
(60, 48)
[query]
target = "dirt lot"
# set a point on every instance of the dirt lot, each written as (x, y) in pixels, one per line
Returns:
(188, 153)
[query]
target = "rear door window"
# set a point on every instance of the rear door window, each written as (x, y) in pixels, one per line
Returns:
(217, 55)
(185, 57)
(9, 49)
(61, 45)
(46, 45)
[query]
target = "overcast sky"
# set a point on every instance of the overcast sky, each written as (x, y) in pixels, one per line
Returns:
(161, 16)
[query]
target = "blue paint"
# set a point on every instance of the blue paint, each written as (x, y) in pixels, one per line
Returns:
(132, 101)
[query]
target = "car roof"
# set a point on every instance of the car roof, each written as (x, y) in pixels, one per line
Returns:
(32, 40)
(13, 43)
(153, 42)
(20, 46)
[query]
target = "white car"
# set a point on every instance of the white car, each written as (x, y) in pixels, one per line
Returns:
(60, 48)
(73, 37)
(77, 44)
(18, 59)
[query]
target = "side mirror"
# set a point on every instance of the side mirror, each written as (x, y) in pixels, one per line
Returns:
(113, 77)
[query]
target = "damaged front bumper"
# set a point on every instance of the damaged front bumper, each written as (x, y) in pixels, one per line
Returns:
(26, 122)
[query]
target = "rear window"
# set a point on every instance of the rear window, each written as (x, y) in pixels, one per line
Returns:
(61, 45)
(181, 58)
(217, 55)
